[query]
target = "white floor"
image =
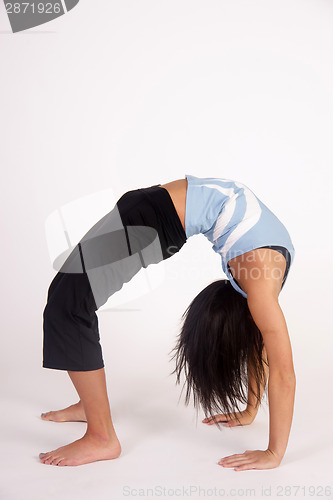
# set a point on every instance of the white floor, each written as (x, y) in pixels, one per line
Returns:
(166, 453)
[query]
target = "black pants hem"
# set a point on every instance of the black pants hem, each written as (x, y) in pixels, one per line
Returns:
(52, 366)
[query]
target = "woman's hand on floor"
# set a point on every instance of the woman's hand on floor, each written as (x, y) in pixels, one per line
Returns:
(245, 418)
(257, 459)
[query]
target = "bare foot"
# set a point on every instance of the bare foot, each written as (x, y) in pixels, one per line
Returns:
(74, 413)
(83, 451)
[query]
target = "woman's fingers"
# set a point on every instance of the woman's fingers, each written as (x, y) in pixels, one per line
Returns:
(215, 418)
(234, 460)
(241, 461)
(230, 419)
(239, 464)
(255, 459)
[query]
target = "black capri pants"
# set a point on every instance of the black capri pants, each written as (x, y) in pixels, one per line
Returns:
(142, 229)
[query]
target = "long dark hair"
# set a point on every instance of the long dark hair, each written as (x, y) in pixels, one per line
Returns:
(217, 343)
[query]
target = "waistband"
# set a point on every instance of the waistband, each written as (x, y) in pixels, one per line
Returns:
(154, 194)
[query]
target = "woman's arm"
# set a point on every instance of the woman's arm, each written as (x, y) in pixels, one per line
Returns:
(269, 318)
(262, 298)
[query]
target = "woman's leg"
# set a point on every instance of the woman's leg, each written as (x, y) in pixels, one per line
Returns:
(152, 231)
(71, 342)
(100, 441)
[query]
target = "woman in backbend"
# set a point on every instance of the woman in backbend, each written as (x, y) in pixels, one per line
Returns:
(233, 331)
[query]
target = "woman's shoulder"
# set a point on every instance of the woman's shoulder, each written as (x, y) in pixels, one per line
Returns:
(262, 268)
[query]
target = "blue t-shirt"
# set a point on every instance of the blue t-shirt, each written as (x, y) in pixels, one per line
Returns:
(233, 218)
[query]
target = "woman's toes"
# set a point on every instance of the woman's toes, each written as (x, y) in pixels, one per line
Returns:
(63, 462)
(46, 415)
(44, 457)
(57, 461)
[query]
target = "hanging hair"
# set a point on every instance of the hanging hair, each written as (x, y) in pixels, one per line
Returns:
(217, 343)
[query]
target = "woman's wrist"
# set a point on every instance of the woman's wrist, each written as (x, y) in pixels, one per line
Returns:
(277, 454)
(251, 410)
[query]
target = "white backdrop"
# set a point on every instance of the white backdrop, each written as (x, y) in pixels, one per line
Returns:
(121, 95)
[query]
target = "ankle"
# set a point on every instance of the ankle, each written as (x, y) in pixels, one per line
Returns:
(103, 436)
